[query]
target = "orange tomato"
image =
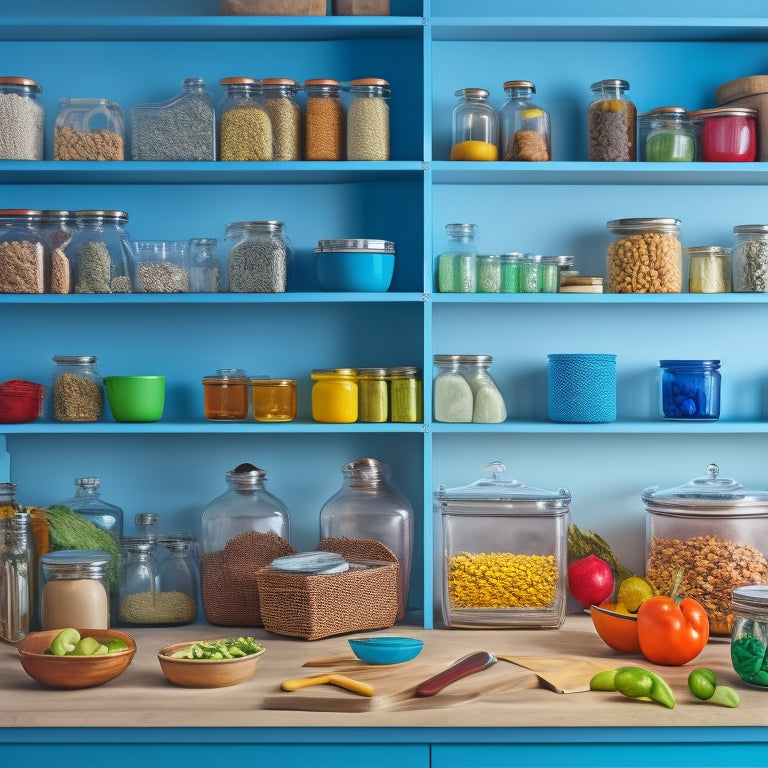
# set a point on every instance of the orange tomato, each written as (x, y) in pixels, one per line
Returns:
(672, 633)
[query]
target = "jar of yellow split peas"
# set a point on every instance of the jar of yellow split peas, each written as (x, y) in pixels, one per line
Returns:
(334, 395)
(474, 126)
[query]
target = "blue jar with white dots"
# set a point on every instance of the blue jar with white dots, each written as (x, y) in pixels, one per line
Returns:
(690, 389)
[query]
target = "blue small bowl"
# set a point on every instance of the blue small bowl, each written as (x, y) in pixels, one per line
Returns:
(385, 649)
(355, 265)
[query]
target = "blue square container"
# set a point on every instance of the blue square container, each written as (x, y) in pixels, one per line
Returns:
(581, 389)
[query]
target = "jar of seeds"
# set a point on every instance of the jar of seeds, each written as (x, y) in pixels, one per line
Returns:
(245, 130)
(488, 273)
(160, 266)
(324, 120)
(101, 252)
(285, 116)
(612, 119)
(22, 119)
(368, 120)
(78, 392)
(457, 263)
(21, 252)
(750, 258)
(89, 129)
(56, 231)
(259, 257)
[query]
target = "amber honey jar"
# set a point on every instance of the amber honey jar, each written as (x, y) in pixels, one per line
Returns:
(225, 395)
(273, 399)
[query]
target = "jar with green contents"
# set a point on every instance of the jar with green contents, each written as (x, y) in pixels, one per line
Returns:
(245, 129)
(488, 273)
(373, 394)
(510, 272)
(549, 274)
(529, 273)
(749, 637)
(405, 394)
(457, 263)
(666, 135)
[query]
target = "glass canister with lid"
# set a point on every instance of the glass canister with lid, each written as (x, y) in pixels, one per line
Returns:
(22, 262)
(57, 229)
(22, 119)
(513, 534)
(727, 134)
(666, 135)
(525, 127)
(78, 389)
(749, 259)
(89, 505)
(226, 395)
(487, 403)
(324, 120)
(335, 395)
(373, 394)
(259, 257)
(749, 637)
(474, 126)
(178, 577)
(245, 130)
(89, 129)
(406, 394)
(690, 389)
(612, 120)
(274, 399)
(368, 119)
(285, 116)
(713, 532)
(457, 262)
(709, 269)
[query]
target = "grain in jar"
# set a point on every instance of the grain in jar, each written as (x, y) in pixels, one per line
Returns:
(405, 394)
(324, 121)
(368, 120)
(452, 396)
(285, 117)
(245, 130)
(750, 258)
(611, 120)
(22, 266)
(488, 273)
(56, 231)
(78, 391)
(525, 133)
(22, 119)
(89, 129)
(259, 257)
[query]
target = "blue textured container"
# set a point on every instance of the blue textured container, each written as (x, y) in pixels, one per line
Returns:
(581, 389)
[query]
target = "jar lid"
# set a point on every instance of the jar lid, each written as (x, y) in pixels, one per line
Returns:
(17, 213)
(246, 476)
(320, 81)
(373, 85)
(24, 82)
(600, 84)
(708, 495)
(88, 101)
(368, 81)
(519, 84)
(481, 93)
(462, 358)
(673, 111)
(77, 563)
(278, 81)
(709, 364)
(403, 371)
(724, 112)
(267, 382)
(707, 250)
(750, 598)
(75, 359)
(138, 543)
(353, 245)
(372, 373)
(120, 216)
(342, 372)
(751, 229)
(643, 225)
(238, 81)
(268, 225)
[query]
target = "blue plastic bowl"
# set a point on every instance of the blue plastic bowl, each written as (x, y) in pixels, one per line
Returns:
(345, 271)
(385, 649)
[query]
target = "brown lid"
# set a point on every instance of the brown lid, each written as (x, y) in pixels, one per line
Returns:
(724, 112)
(19, 212)
(278, 81)
(665, 111)
(321, 81)
(238, 81)
(25, 81)
(369, 81)
(519, 84)
(741, 87)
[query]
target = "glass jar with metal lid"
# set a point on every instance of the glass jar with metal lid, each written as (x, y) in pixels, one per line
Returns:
(245, 130)
(17, 575)
(259, 257)
(749, 637)
(22, 263)
(101, 252)
(488, 273)
(373, 394)
(274, 399)
(502, 558)
(78, 389)
(457, 262)
(452, 399)
(749, 260)
(510, 271)
(690, 389)
(324, 119)
(709, 269)
(525, 131)
(713, 532)
(368, 120)
(646, 256)
(666, 135)
(204, 265)
(89, 129)
(335, 398)
(405, 394)
(285, 116)
(487, 403)
(612, 120)
(474, 126)
(225, 395)
(22, 119)
(57, 228)
(726, 134)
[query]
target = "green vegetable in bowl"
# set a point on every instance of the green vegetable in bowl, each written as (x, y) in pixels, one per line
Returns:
(228, 648)
(65, 642)
(69, 643)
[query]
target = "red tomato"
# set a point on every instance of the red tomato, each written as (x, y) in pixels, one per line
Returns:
(672, 633)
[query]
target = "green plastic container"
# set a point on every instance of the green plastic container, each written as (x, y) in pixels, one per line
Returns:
(136, 398)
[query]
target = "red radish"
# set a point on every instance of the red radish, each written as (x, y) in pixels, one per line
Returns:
(590, 580)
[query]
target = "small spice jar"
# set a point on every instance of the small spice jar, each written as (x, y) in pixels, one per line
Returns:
(612, 120)
(488, 273)
(56, 230)
(285, 116)
(727, 134)
(259, 257)
(666, 135)
(529, 273)
(474, 126)
(22, 262)
(690, 389)
(324, 120)
(204, 265)
(505, 558)
(368, 120)
(22, 119)
(225, 395)
(335, 398)
(405, 394)
(525, 133)
(373, 394)
(89, 129)
(457, 263)
(750, 258)
(549, 274)
(78, 390)
(709, 269)
(749, 637)
(245, 129)
(274, 399)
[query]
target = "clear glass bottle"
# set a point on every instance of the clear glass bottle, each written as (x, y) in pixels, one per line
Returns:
(244, 529)
(8, 503)
(177, 579)
(373, 394)
(138, 603)
(22, 119)
(452, 396)
(22, 259)
(89, 129)
(245, 130)
(368, 507)
(749, 637)
(225, 395)
(324, 121)
(750, 258)
(666, 135)
(285, 116)
(474, 126)
(488, 405)
(16, 576)
(457, 263)
(101, 252)
(56, 231)
(147, 524)
(406, 394)
(690, 389)
(335, 397)
(612, 121)
(368, 120)
(709, 269)
(78, 389)
(204, 265)
(259, 257)
(525, 127)
(274, 399)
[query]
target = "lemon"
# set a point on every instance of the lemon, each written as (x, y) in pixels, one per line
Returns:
(634, 591)
(474, 150)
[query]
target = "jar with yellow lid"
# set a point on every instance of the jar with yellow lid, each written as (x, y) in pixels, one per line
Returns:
(334, 395)
(273, 399)
(612, 120)
(373, 394)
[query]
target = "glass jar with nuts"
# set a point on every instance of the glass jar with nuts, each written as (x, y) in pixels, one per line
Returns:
(524, 126)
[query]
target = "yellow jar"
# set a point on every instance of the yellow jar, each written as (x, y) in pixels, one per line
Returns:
(334, 395)
(273, 399)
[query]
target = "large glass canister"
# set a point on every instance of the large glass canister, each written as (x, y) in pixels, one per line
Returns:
(749, 260)
(78, 389)
(56, 230)
(244, 529)
(22, 262)
(474, 126)
(335, 396)
(709, 269)
(612, 120)
(666, 135)
(749, 637)
(22, 119)
(245, 130)
(711, 532)
(89, 129)
(646, 256)
(487, 403)
(368, 120)
(452, 398)
(285, 116)
(259, 257)
(368, 507)
(324, 120)
(503, 557)
(457, 262)
(690, 389)
(525, 127)
(89, 505)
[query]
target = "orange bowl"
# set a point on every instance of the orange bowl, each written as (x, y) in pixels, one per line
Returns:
(206, 673)
(616, 630)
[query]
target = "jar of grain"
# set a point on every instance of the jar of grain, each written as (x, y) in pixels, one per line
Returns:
(487, 403)
(488, 273)
(22, 263)
(709, 269)
(78, 390)
(474, 126)
(89, 129)
(611, 120)
(406, 394)
(177, 578)
(244, 529)
(324, 120)
(22, 119)
(285, 116)
(259, 257)
(646, 256)
(225, 395)
(274, 399)
(373, 394)
(713, 533)
(245, 130)
(140, 602)
(750, 258)
(368, 120)
(666, 135)
(56, 231)
(160, 266)
(335, 398)
(524, 126)
(452, 395)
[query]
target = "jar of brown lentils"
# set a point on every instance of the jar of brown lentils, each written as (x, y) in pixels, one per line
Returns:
(78, 393)
(324, 119)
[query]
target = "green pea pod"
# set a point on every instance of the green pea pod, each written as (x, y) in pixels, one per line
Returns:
(603, 681)
(646, 684)
(702, 683)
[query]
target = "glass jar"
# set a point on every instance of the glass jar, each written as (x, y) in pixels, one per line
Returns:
(515, 536)
(452, 396)
(457, 263)
(549, 274)
(335, 395)
(89, 129)
(139, 604)
(8, 503)
(474, 126)
(368, 507)
(510, 272)
(204, 265)
(690, 389)
(750, 258)
(160, 266)
(488, 273)
(244, 529)
(529, 275)
(285, 116)
(22, 264)
(245, 130)
(147, 524)
(274, 399)
(324, 120)
(666, 135)
(709, 269)
(749, 637)
(525, 130)
(22, 119)
(181, 128)
(56, 229)
(225, 395)
(78, 390)
(727, 134)
(373, 394)
(89, 505)
(611, 120)
(487, 403)
(368, 120)
(16, 576)
(101, 252)
(177, 579)
(713, 531)
(259, 257)
(74, 590)
(405, 394)
(646, 256)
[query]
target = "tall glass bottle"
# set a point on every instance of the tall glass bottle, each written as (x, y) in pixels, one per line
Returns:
(15, 576)
(457, 263)
(368, 507)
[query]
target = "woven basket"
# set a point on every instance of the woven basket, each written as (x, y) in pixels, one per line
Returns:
(581, 389)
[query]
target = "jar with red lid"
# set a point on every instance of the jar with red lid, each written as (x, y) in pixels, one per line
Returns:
(324, 119)
(21, 252)
(726, 134)
(22, 119)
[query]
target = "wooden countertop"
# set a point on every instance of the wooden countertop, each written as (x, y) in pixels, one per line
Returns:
(141, 696)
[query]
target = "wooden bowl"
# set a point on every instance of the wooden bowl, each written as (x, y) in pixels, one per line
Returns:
(73, 671)
(617, 630)
(206, 673)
